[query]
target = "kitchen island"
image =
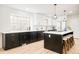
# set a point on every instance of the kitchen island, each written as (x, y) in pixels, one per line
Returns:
(60, 42)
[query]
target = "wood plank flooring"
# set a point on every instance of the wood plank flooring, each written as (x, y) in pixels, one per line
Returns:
(38, 48)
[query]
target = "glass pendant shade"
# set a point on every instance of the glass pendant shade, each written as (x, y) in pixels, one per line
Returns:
(55, 16)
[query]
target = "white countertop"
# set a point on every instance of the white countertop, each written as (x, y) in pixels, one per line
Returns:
(19, 31)
(56, 32)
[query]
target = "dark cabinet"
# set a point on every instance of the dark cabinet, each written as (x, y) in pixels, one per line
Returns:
(30, 37)
(33, 36)
(40, 35)
(24, 38)
(57, 42)
(10, 41)
(53, 42)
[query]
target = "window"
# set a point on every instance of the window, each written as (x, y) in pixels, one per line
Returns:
(19, 22)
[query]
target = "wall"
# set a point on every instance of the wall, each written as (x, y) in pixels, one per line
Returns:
(5, 13)
(4, 20)
(41, 21)
(73, 23)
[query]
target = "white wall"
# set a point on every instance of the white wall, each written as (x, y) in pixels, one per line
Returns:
(4, 20)
(5, 13)
(41, 21)
(73, 23)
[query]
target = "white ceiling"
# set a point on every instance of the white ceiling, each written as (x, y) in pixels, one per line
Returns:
(47, 8)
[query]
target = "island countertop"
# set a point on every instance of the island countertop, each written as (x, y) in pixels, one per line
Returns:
(59, 33)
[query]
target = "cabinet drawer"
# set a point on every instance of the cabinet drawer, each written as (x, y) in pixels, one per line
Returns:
(11, 41)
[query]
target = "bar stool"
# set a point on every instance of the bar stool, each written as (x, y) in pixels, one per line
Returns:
(68, 44)
(64, 46)
(73, 42)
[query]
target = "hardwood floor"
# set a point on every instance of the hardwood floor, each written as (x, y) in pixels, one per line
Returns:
(38, 48)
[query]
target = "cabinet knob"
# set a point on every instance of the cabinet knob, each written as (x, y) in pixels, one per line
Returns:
(49, 36)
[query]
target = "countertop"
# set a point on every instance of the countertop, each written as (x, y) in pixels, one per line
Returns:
(56, 32)
(20, 31)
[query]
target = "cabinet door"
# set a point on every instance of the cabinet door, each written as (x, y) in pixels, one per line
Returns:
(11, 41)
(27, 37)
(47, 41)
(33, 36)
(22, 38)
(40, 35)
(53, 42)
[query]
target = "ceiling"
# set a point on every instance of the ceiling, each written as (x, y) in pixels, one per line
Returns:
(48, 8)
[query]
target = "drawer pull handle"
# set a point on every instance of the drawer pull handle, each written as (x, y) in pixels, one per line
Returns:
(49, 36)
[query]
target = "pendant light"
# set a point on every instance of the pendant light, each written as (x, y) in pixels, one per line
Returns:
(64, 15)
(65, 22)
(55, 16)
